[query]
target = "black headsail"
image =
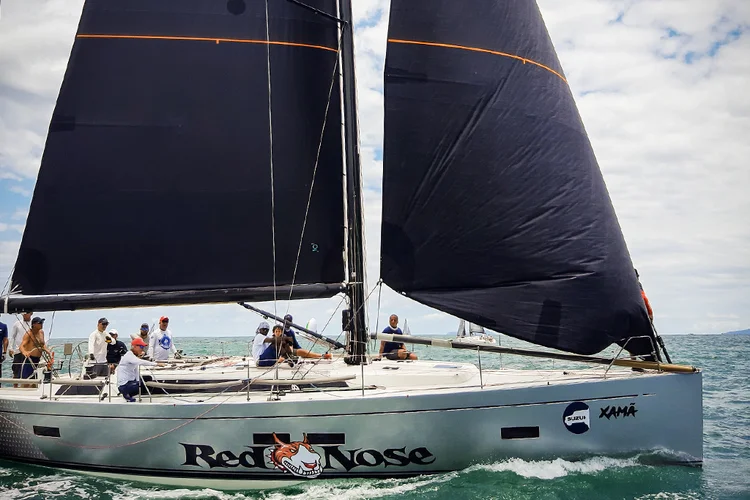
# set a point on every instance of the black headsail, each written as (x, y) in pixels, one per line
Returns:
(494, 207)
(156, 175)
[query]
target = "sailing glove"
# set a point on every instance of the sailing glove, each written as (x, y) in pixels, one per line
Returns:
(91, 357)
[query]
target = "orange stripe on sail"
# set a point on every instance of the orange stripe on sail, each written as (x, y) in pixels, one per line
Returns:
(477, 49)
(205, 39)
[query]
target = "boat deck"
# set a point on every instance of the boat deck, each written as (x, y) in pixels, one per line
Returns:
(226, 380)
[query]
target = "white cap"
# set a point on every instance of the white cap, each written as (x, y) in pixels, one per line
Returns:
(114, 332)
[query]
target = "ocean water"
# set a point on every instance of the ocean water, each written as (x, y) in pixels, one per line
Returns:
(724, 475)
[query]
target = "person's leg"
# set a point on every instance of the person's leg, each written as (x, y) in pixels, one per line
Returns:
(18, 360)
(404, 354)
(129, 389)
(267, 357)
(303, 353)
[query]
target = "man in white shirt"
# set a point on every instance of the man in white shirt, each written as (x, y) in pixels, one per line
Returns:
(17, 331)
(128, 380)
(161, 342)
(262, 339)
(98, 340)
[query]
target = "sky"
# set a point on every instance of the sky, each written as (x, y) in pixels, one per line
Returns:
(663, 87)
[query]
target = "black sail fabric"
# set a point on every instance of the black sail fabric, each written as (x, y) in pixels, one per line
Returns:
(494, 207)
(157, 169)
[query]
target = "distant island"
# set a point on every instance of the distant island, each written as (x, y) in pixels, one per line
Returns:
(738, 332)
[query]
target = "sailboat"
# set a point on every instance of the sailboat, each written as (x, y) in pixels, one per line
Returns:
(228, 130)
(473, 334)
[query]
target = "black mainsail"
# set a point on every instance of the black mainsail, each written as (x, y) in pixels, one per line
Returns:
(159, 165)
(494, 207)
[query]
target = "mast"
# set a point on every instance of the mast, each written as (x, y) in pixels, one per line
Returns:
(354, 318)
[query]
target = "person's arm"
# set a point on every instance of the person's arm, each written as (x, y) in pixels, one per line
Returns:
(12, 339)
(174, 347)
(152, 345)
(144, 362)
(44, 345)
(382, 347)
(92, 340)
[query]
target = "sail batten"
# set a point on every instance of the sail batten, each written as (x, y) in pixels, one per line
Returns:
(524, 60)
(216, 40)
(156, 170)
(494, 207)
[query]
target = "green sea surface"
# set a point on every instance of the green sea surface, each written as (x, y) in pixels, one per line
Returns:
(725, 473)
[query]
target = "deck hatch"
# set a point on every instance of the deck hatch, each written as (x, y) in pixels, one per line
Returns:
(519, 432)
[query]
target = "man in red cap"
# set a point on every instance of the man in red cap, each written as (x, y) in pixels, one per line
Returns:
(161, 343)
(128, 379)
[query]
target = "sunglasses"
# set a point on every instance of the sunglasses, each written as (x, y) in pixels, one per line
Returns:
(165, 321)
(144, 328)
(105, 324)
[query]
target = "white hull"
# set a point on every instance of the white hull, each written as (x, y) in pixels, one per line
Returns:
(398, 425)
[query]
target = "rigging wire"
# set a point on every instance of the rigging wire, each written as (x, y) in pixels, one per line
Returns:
(270, 140)
(315, 168)
(6, 287)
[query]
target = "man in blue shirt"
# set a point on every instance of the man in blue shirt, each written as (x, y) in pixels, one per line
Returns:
(288, 332)
(394, 350)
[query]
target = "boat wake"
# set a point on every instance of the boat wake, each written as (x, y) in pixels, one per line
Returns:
(48, 487)
(553, 469)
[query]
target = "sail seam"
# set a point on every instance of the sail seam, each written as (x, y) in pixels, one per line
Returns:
(479, 49)
(207, 39)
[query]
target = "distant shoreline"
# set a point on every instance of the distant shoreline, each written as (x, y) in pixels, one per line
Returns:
(738, 332)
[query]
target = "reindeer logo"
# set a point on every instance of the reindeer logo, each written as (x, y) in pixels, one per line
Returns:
(297, 457)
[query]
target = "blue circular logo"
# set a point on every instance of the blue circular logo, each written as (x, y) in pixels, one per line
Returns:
(576, 417)
(165, 342)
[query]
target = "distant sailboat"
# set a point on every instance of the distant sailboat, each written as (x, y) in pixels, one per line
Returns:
(470, 333)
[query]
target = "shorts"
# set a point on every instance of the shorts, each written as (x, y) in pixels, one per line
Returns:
(18, 360)
(30, 366)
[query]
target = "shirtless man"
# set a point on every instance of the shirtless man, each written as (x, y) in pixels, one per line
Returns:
(31, 347)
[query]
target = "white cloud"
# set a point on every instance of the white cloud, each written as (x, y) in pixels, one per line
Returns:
(671, 139)
(20, 190)
(20, 215)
